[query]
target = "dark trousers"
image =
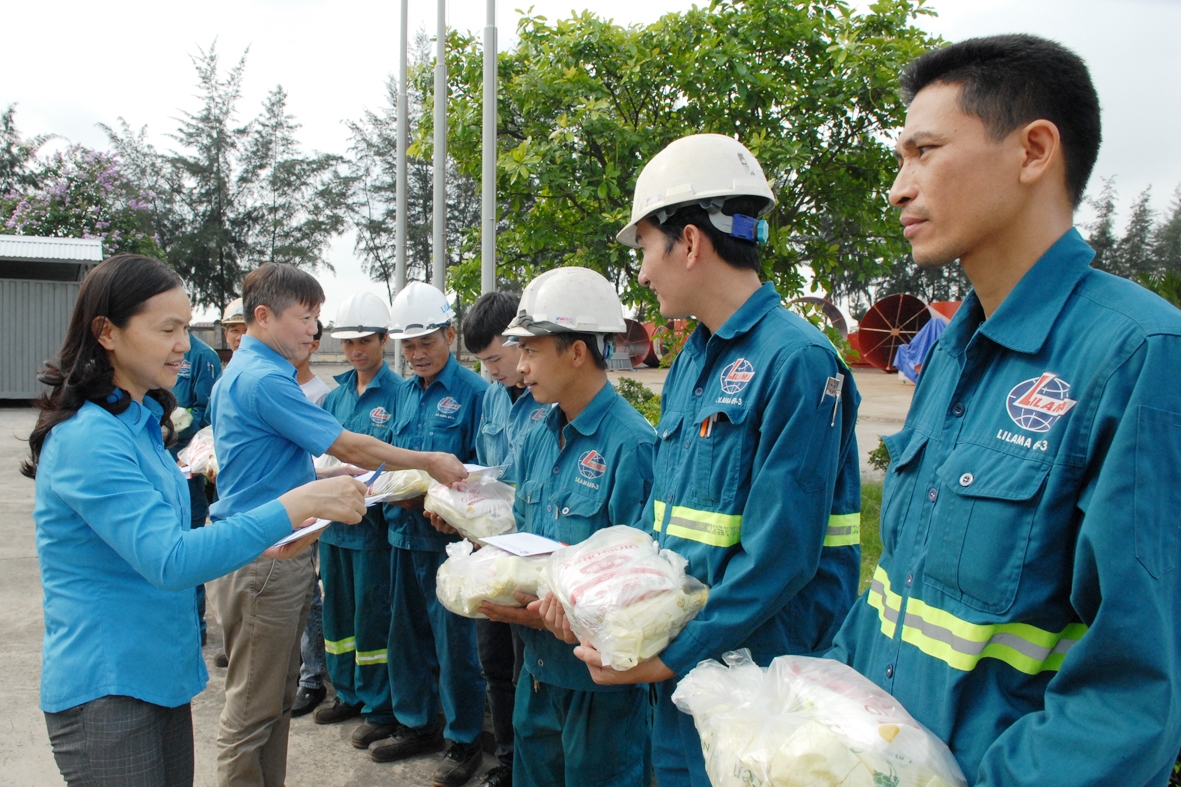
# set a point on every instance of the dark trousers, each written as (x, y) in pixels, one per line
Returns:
(501, 652)
(200, 506)
(118, 741)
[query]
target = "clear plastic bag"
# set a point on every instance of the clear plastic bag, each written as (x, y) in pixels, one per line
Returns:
(469, 577)
(807, 722)
(199, 455)
(624, 594)
(182, 419)
(478, 506)
(399, 485)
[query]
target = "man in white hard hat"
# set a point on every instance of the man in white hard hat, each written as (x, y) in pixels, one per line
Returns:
(757, 480)
(588, 466)
(355, 564)
(438, 409)
(233, 323)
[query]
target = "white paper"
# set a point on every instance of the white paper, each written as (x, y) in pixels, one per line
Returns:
(320, 524)
(524, 544)
(186, 471)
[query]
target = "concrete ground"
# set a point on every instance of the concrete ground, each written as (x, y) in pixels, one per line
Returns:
(319, 756)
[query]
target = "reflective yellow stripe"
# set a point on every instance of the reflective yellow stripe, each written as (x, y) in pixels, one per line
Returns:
(704, 527)
(843, 530)
(341, 647)
(960, 644)
(371, 656)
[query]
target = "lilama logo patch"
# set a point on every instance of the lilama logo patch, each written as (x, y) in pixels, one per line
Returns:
(1037, 404)
(539, 413)
(379, 416)
(186, 369)
(592, 465)
(448, 406)
(737, 375)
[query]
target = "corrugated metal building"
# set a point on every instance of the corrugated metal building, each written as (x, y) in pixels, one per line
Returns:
(39, 282)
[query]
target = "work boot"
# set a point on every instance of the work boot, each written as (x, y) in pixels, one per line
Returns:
(337, 712)
(220, 660)
(307, 699)
(457, 766)
(406, 742)
(500, 776)
(367, 733)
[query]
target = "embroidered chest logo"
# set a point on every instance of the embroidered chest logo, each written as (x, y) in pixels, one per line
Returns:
(186, 369)
(592, 465)
(1037, 404)
(539, 413)
(737, 376)
(379, 416)
(447, 406)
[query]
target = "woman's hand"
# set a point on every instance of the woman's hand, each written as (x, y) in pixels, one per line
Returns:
(340, 499)
(293, 548)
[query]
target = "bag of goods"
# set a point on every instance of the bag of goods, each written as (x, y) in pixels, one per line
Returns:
(807, 722)
(624, 594)
(182, 419)
(327, 462)
(401, 485)
(198, 454)
(469, 577)
(478, 506)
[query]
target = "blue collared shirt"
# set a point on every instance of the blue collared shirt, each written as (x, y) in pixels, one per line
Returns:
(1025, 605)
(441, 417)
(599, 478)
(503, 424)
(758, 484)
(265, 431)
(371, 413)
(199, 370)
(119, 561)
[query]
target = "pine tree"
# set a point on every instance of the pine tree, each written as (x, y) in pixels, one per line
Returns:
(1166, 239)
(1101, 231)
(1133, 253)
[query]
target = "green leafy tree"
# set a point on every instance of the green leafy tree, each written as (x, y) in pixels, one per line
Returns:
(19, 170)
(585, 103)
(297, 202)
(85, 194)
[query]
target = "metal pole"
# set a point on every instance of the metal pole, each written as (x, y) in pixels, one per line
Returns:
(488, 198)
(400, 184)
(438, 275)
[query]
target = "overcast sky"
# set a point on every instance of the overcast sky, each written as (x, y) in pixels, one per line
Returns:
(70, 65)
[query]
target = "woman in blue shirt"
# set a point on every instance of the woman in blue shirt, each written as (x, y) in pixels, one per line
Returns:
(122, 654)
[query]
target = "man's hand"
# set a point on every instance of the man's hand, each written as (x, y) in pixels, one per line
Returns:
(439, 523)
(554, 617)
(444, 468)
(652, 671)
(524, 616)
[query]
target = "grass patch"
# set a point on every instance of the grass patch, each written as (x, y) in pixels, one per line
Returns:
(871, 536)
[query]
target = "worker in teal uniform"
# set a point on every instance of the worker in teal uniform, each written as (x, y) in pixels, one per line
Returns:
(587, 467)
(756, 472)
(355, 562)
(432, 653)
(194, 382)
(1025, 608)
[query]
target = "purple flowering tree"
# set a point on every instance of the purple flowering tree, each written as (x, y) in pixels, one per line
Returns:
(84, 194)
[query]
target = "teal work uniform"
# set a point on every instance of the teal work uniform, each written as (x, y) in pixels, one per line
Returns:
(503, 424)
(757, 484)
(571, 731)
(423, 635)
(1025, 605)
(355, 565)
(194, 383)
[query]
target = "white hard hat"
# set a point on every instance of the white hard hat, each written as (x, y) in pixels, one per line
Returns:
(419, 309)
(703, 169)
(235, 313)
(568, 300)
(362, 314)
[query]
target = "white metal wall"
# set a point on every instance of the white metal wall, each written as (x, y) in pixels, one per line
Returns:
(34, 316)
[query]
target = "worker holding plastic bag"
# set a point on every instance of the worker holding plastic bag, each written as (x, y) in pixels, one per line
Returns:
(470, 577)
(479, 506)
(807, 722)
(756, 480)
(587, 466)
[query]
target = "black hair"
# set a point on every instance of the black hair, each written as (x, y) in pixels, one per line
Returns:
(739, 253)
(279, 286)
(565, 340)
(319, 331)
(487, 319)
(1010, 80)
(115, 291)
